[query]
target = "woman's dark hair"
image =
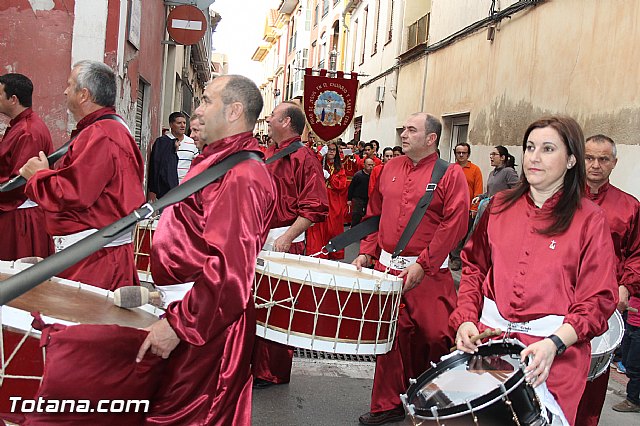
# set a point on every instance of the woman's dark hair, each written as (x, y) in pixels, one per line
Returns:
(337, 163)
(574, 180)
(504, 152)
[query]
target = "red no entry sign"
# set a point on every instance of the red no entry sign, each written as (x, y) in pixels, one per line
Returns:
(186, 25)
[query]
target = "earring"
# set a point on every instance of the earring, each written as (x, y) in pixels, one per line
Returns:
(570, 164)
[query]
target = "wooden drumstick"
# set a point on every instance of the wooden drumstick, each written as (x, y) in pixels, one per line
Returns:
(487, 333)
(634, 310)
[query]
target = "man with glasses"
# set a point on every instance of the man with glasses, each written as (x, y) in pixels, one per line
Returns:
(474, 179)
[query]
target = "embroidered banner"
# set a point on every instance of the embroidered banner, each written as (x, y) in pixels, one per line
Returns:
(329, 102)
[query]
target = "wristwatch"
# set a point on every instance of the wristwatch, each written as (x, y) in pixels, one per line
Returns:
(560, 346)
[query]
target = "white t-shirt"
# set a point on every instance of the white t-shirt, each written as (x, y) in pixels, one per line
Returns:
(187, 151)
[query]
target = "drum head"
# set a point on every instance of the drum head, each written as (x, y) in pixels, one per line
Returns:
(463, 381)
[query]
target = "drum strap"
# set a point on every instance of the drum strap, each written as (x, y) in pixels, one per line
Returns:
(288, 150)
(18, 181)
(372, 224)
(438, 172)
(24, 281)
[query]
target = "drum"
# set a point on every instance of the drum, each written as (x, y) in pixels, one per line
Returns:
(59, 301)
(485, 388)
(325, 305)
(603, 346)
(142, 240)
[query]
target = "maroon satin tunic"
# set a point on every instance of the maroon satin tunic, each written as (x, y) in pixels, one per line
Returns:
(97, 182)
(423, 334)
(23, 230)
(300, 183)
(213, 238)
(623, 215)
(301, 192)
(530, 275)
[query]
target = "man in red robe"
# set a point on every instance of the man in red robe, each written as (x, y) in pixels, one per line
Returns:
(21, 220)
(423, 333)
(97, 182)
(213, 237)
(302, 201)
(623, 215)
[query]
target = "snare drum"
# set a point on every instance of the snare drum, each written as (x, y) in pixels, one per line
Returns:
(484, 388)
(142, 241)
(603, 346)
(324, 305)
(59, 301)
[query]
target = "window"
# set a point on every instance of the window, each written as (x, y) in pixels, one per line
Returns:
(389, 21)
(323, 50)
(316, 15)
(418, 32)
(457, 126)
(364, 34)
(293, 36)
(325, 7)
(376, 22)
(335, 2)
(353, 44)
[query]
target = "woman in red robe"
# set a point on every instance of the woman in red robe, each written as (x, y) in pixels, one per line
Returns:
(542, 254)
(319, 234)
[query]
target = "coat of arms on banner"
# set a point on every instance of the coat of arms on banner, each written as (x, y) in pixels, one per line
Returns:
(329, 103)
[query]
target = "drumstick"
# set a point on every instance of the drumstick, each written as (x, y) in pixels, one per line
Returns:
(634, 310)
(487, 333)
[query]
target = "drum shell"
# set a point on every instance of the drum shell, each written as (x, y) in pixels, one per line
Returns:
(490, 408)
(325, 305)
(603, 346)
(143, 238)
(60, 301)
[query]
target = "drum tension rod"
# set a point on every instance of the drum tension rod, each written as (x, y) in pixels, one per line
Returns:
(475, 418)
(507, 401)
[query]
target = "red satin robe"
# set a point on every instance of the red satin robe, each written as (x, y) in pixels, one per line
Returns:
(530, 275)
(373, 179)
(22, 230)
(301, 192)
(351, 166)
(213, 238)
(319, 234)
(423, 333)
(623, 215)
(97, 182)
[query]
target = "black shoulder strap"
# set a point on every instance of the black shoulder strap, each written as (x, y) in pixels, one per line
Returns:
(354, 234)
(439, 170)
(293, 147)
(18, 181)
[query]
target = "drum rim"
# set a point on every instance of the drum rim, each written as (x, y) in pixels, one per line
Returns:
(478, 403)
(393, 282)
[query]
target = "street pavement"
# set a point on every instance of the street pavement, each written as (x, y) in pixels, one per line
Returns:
(327, 392)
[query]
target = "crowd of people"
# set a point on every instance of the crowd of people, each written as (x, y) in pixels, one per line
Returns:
(555, 252)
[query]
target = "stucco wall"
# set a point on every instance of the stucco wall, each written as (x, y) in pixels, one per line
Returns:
(37, 42)
(574, 57)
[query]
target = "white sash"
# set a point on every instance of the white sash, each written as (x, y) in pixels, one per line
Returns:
(61, 242)
(402, 262)
(541, 327)
(27, 204)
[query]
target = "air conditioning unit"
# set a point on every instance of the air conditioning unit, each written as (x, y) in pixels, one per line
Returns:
(380, 94)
